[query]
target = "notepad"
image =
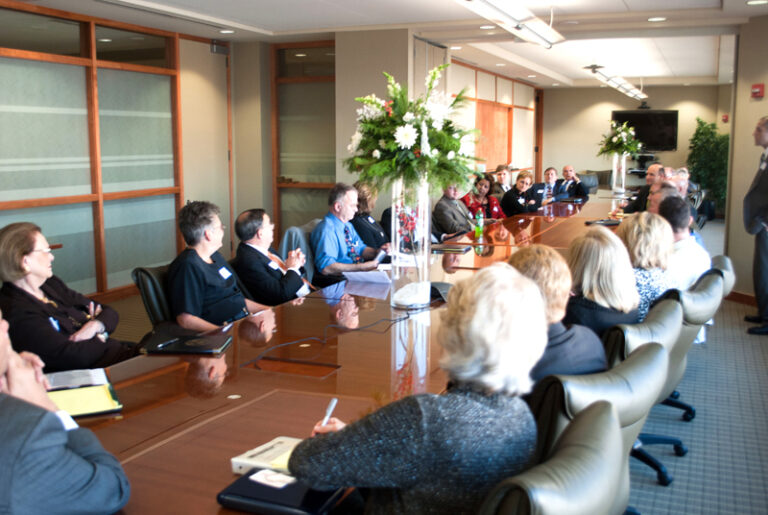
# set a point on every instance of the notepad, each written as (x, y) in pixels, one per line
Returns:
(77, 378)
(272, 455)
(89, 400)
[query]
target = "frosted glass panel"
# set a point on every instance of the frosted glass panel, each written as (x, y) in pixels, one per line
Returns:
(136, 130)
(461, 77)
(72, 227)
(138, 232)
(43, 130)
(299, 206)
(307, 132)
(525, 96)
(486, 86)
(523, 127)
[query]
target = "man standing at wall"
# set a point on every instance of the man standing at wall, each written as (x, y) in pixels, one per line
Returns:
(756, 222)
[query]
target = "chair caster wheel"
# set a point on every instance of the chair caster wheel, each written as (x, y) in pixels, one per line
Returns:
(674, 395)
(689, 415)
(664, 479)
(681, 450)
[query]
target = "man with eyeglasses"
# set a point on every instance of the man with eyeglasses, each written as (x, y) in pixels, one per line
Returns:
(203, 289)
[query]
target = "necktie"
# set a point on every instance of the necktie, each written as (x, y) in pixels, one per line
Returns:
(356, 258)
(549, 191)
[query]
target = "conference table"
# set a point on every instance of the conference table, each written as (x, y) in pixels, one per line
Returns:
(183, 418)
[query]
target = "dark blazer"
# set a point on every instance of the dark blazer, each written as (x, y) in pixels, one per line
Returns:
(369, 230)
(450, 216)
(49, 470)
(574, 189)
(756, 201)
(582, 311)
(267, 284)
(570, 350)
(44, 329)
(641, 201)
(510, 202)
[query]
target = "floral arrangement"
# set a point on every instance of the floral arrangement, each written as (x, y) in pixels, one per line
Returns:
(620, 140)
(410, 140)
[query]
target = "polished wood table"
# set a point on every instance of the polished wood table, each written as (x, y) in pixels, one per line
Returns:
(184, 418)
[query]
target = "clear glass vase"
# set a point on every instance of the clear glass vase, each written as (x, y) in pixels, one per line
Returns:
(410, 246)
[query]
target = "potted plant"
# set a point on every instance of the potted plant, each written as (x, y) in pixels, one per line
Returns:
(708, 162)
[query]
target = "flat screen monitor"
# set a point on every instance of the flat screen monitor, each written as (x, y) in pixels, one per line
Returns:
(655, 128)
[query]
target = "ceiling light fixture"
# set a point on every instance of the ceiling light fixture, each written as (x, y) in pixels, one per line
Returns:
(616, 82)
(500, 64)
(104, 40)
(757, 2)
(455, 48)
(487, 27)
(226, 31)
(515, 18)
(531, 76)
(657, 19)
(300, 55)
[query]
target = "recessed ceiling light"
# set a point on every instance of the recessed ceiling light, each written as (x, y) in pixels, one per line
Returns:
(657, 19)
(603, 86)
(500, 64)
(487, 27)
(455, 48)
(686, 83)
(226, 31)
(104, 40)
(137, 38)
(757, 2)
(555, 83)
(531, 76)
(300, 55)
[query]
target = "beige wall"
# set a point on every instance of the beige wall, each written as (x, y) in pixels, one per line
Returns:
(576, 118)
(724, 106)
(752, 69)
(252, 144)
(361, 57)
(204, 127)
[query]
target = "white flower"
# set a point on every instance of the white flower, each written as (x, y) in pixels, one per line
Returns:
(408, 117)
(425, 149)
(376, 154)
(383, 143)
(632, 131)
(467, 145)
(615, 139)
(405, 136)
(438, 108)
(354, 142)
(435, 152)
(639, 146)
(450, 155)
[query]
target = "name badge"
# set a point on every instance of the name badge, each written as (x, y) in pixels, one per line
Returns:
(520, 200)
(54, 323)
(762, 165)
(370, 219)
(273, 265)
(540, 191)
(223, 272)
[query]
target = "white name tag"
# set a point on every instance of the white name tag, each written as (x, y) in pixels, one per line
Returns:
(539, 191)
(762, 165)
(223, 272)
(370, 219)
(273, 265)
(520, 200)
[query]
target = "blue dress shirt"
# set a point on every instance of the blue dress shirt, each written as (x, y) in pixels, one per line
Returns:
(330, 246)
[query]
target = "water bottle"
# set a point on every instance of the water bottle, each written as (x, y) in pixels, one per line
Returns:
(479, 223)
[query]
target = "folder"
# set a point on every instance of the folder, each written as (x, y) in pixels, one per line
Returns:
(88, 400)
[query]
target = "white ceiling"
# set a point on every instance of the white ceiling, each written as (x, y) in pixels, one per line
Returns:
(696, 45)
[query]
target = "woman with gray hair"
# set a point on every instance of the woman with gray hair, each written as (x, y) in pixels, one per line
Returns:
(649, 241)
(603, 289)
(443, 453)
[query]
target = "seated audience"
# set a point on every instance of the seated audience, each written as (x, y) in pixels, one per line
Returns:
(571, 349)
(604, 292)
(369, 230)
(267, 278)
(501, 185)
(450, 216)
(653, 174)
(479, 199)
(66, 329)
(570, 185)
(544, 192)
(50, 464)
(336, 244)
(431, 453)
(202, 289)
(689, 259)
(658, 192)
(648, 238)
(520, 198)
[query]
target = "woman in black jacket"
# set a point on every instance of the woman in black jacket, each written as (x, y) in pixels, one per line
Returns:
(520, 199)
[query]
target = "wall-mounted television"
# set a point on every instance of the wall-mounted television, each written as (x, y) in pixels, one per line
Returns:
(655, 128)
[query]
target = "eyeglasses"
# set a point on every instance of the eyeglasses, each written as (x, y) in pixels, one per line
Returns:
(47, 250)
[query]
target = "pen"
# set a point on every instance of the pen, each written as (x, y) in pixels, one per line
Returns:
(329, 410)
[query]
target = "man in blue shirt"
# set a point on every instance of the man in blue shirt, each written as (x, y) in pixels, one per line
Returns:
(335, 243)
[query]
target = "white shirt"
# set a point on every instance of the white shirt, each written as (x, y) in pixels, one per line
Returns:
(686, 264)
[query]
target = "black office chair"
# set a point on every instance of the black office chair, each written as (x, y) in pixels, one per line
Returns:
(580, 476)
(151, 282)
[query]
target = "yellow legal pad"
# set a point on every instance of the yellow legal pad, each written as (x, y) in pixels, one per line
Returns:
(88, 400)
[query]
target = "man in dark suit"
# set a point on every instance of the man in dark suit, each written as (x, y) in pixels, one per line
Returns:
(50, 464)
(654, 174)
(266, 277)
(544, 192)
(570, 185)
(756, 222)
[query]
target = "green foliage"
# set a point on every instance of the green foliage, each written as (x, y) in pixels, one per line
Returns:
(620, 139)
(708, 161)
(398, 138)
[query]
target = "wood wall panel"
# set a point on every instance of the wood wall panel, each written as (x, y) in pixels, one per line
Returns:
(493, 145)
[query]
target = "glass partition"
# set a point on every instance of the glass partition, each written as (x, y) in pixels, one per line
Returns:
(130, 47)
(136, 129)
(306, 62)
(299, 206)
(38, 33)
(44, 148)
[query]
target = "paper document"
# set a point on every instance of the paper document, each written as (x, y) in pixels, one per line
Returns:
(77, 378)
(272, 455)
(374, 276)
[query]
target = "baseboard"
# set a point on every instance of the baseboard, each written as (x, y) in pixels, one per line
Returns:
(742, 298)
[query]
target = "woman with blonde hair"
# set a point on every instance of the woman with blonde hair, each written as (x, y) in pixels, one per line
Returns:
(649, 241)
(430, 453)
(603, 290)
(520, 199)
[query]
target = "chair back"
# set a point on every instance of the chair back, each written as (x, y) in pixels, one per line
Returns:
(581, 476)
(298, 237)
(724, 264)
(632, 387)
(589, 181)
(151, 282)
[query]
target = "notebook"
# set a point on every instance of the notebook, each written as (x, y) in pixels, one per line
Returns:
(173, 339)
